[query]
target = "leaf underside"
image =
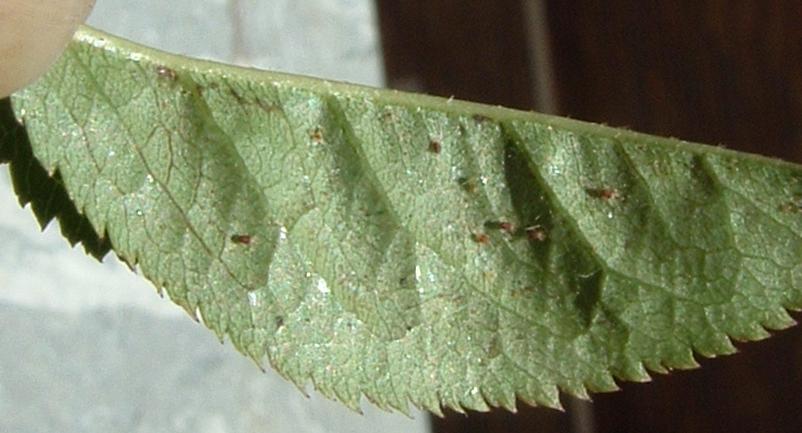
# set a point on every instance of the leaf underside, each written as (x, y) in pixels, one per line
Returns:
(408, 248)
(44, 192)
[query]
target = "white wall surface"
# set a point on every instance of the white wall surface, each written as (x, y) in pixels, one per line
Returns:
(91, 347)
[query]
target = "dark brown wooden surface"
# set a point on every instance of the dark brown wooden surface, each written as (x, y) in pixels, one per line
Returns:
(720, 72)
(457, 48)
(714, 71)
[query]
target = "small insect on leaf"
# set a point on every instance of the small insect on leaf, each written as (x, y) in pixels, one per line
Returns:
(481, 238)
(606, 193)
(166, 73)
(242, 239)
(536, 233)
(794, 206)
(316, 135)
(504, 226)
(435, 146)
(468, 184)
(524, 291)
(478, 118)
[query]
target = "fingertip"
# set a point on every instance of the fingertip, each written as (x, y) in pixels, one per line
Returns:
(32, 36)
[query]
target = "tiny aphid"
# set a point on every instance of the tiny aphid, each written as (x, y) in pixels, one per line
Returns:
(494, 348)
(606, 193)
(481, 238)
(506, 227)
(166, 73)
(468, 184)
(793, 206)
(789, 208)
(242, 239)
(435, 146)
(609, 194)
(523, 291)
(478, 118)
(536, 233)
(316, 135)
(236, 95)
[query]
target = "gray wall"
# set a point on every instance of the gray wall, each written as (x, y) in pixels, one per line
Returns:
(90, 347)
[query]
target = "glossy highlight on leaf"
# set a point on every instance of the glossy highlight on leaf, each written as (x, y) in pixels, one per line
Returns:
(412, 249)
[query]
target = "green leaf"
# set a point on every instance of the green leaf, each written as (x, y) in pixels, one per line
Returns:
(410, 248)
(44, 192)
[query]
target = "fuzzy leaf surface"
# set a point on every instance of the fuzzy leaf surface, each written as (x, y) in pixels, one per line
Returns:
(407, 248)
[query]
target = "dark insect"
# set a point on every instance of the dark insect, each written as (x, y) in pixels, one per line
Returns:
(435, 147)
(242, 239)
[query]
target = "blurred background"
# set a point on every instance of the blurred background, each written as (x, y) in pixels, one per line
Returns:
(91, 348)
